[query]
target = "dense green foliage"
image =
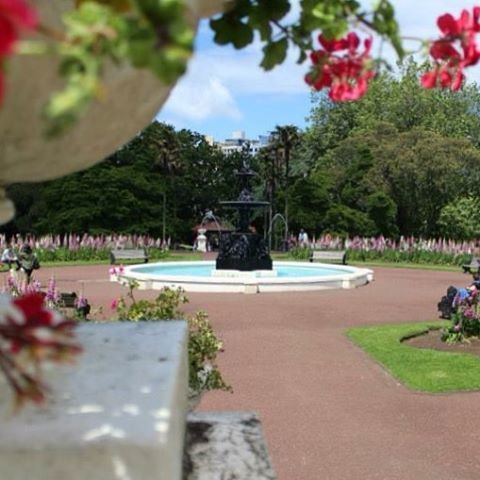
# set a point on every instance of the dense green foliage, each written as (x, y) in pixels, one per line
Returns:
(127, 193)
(87, 254)
(418, 368)
(461, 218)
(389, 163)
(420, 257)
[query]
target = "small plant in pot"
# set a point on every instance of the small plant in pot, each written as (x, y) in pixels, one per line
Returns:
(203, 343)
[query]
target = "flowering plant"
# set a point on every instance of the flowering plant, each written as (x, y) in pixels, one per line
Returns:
(466, 316)
(153, 35)
(30, 335)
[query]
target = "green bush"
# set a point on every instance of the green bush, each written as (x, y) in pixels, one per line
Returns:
(87, 254)
(422, 257)
(300, 253)
(203, 344)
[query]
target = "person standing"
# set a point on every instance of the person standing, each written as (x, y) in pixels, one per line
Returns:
(8, 257)
(27, 262)
(303, 238)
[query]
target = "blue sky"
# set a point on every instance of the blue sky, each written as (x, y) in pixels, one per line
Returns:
(225, 90)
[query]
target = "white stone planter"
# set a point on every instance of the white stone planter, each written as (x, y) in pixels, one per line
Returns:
(133, 98)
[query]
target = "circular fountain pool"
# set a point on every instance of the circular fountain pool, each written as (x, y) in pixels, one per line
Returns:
(286, 276)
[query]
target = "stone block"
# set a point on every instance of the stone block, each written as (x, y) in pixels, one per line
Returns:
(119, 414)
(226, 445)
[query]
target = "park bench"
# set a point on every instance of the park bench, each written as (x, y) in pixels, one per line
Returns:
(128, 254)
(69, 300)
(473, 266)
(184, 246)
(333, 256)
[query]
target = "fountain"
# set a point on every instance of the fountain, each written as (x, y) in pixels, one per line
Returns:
(243, 264)
(243, 250)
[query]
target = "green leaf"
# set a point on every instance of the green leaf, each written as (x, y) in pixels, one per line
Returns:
(242, 35)
(274, 53)
(222, 32)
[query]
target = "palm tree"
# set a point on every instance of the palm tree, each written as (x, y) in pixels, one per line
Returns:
(285, 139)
(163, 141)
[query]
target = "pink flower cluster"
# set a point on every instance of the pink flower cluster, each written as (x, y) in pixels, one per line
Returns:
(75, 242)
(403, 244)
(120, 270)
(454, 51)
(341, 67)
(29, 335)
(15, 15)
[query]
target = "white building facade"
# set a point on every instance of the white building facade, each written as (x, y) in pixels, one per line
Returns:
(238, 141)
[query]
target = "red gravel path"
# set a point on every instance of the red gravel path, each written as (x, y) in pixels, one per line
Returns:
(328, 411)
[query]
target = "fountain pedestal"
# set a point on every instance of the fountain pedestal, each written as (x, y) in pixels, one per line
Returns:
(244, 252)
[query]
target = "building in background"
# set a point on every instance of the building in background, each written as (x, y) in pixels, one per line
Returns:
(238, 140)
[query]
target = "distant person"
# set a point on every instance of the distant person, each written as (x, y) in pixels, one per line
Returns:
(27, 261)
(8, 257)
(303, 238)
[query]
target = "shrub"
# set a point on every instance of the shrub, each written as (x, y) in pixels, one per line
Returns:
(203, 344)
(300, 253)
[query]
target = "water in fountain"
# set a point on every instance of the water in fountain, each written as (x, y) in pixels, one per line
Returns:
(244, 249)
(209, 215)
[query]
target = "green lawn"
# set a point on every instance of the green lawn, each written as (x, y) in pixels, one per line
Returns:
(419, 369)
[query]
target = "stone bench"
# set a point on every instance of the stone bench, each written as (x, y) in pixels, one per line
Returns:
(473, 266)
(128, 254)
(333, 256)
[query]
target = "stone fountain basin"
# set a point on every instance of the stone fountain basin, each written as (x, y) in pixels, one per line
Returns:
(201, 277)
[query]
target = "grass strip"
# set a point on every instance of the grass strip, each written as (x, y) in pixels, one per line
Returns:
(419, 369)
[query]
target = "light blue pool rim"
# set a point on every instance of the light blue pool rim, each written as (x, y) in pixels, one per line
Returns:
(293, 276)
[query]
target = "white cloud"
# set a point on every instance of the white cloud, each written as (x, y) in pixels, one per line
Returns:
(198, 100)
(243, 75)
(217, 77)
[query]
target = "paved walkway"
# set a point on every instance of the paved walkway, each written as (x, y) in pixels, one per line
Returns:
(328, 411)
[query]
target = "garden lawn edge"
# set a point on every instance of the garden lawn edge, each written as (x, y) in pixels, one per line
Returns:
(424, 370)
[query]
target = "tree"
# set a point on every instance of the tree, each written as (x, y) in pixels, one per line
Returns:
(310, 200)
(383, 212)
(284, 140)
(343, 220)
(415, 172)
(460, 219)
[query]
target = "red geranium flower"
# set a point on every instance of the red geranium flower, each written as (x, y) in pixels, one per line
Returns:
(29, 335)
(341, 67)
(14, 16)
(450, 61)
